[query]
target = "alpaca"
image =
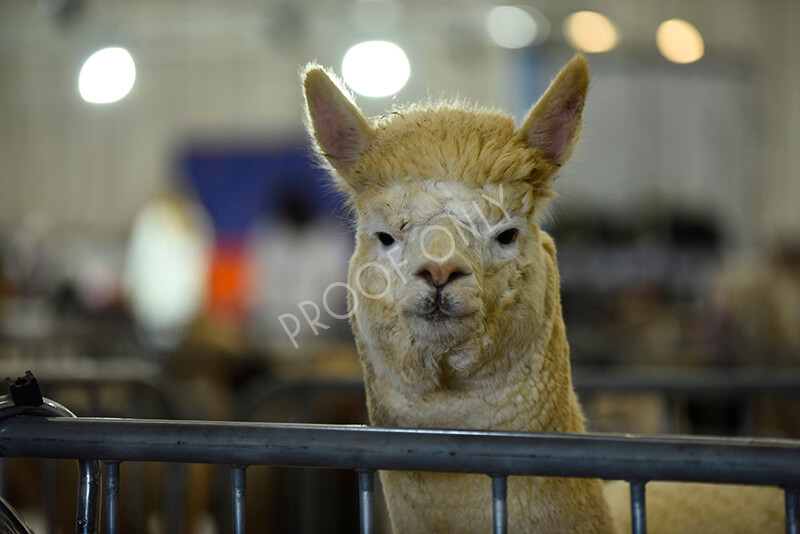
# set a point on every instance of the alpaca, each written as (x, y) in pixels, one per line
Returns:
(456, 308)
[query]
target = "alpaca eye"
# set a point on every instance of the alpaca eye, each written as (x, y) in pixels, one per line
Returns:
(507, 237)
(385, 239)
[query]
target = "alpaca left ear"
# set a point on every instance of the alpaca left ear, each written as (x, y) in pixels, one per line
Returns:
(554, 123)
(337, 125)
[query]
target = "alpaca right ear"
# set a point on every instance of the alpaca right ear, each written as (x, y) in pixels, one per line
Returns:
(337, 125)
(554, 123)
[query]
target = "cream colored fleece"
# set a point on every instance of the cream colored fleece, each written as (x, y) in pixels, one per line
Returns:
(452, 194)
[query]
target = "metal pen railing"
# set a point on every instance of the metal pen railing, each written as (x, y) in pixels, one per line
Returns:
(89, 471)
(366, 449)
(138, 379)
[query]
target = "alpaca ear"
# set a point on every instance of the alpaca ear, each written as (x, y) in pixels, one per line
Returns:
(554, 123)
(337, 125)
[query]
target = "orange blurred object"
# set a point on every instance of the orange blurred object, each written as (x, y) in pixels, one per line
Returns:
(229, 278)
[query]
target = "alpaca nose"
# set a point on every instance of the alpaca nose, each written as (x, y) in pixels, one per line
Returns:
(440, 274)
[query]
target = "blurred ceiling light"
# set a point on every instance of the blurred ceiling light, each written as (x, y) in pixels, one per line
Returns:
(679, 41)
(591, 32)
(517, 27)
(376, 68)
(107, 76)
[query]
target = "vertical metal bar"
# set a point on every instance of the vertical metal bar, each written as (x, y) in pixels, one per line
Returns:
(792, 511)
(50, 494)
(238, 494)
(3, 490)
(499, 505)
(366, 491)
(174, 482)
(667, 424)
(747, 424)
(134, 500)
(638, 508)
(88, 493)
(112, 498)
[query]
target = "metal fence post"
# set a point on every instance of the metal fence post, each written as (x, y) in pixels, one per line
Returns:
(366, 490)
(499, 505)
(638, 508)
(88, 493)
(112, 497)
(792, 511)
(50, 494)
(238, 494)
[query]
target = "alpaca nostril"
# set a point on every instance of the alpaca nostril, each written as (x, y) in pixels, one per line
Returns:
(440, 274)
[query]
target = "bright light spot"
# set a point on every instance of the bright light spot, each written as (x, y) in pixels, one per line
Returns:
(376, 68)
(516, 27)
(679, 41)
(107, 76)
(590, 32)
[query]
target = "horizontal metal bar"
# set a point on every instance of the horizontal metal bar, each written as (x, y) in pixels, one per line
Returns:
(695, 383)
(611, 457)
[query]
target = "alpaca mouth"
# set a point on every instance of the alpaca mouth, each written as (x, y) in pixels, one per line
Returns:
(438, 308)
(441, 311)
(437, 315)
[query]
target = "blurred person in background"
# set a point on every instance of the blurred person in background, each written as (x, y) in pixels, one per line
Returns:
(298, 254)
(166, 268)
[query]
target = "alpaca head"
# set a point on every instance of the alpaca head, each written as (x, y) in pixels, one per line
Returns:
(449, 269)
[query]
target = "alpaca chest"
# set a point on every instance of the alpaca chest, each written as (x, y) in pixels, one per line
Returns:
(455, 503)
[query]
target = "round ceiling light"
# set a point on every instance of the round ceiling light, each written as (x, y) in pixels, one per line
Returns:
(376, 68)
(107, 76)
(591, 32)
(679, 41)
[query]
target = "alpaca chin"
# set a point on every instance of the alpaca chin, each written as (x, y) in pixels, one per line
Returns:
(441, 363)
(440, 332)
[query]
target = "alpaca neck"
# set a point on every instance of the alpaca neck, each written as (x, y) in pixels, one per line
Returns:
(536, 395)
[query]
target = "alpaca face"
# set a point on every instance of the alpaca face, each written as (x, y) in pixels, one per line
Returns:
(440, 269)
(436, 252)
(449, 263)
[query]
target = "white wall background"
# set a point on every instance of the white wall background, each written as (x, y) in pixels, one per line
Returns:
(228, 70)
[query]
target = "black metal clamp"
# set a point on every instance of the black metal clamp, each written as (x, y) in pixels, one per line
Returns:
(25, 398)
